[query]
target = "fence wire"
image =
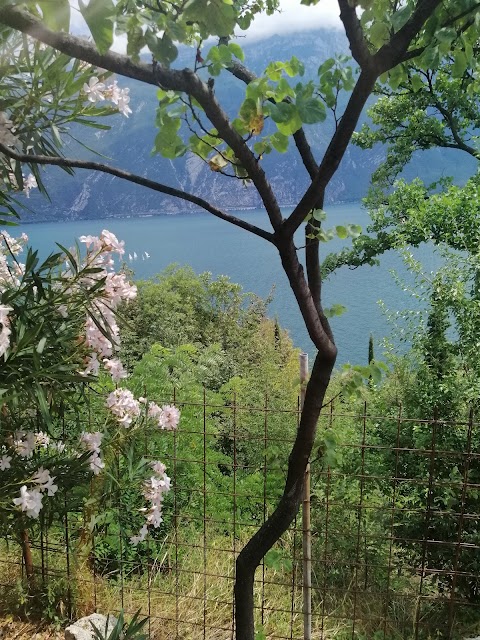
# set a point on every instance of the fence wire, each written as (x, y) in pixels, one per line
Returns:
(395, 532)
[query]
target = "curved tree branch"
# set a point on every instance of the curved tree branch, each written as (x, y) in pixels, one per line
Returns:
(136, 179)
(185, 81)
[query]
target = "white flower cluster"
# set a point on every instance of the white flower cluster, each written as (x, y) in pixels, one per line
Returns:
(97, 91)
(10, 270)
(167, 416)
(9, 276)
(29, 183)
(126, 408)
(123, 406)
(5, 330)
(30, 500)
(25, 442)
(92, 442)
(102, 339)
(154, 490)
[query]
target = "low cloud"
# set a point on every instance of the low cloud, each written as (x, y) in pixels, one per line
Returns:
(293, 17)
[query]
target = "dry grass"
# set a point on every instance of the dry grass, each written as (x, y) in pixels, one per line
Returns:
(11, 629)
(196, 601)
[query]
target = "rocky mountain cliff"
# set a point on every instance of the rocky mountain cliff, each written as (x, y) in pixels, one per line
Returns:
(129, 142)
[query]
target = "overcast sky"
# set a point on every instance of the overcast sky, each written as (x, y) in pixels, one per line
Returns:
(293, 17)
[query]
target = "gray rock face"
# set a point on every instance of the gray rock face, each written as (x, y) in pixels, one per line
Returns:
(82, 629)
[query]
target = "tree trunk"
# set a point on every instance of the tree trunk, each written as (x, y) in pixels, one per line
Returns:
(279, 521)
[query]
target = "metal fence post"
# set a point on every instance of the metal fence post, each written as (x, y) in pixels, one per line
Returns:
(306, 529)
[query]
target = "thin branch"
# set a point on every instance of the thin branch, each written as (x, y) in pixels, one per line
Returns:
(450, 121)
(185, 81)
(136, 179)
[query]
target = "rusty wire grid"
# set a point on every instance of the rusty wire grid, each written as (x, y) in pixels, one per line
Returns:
(395, 532)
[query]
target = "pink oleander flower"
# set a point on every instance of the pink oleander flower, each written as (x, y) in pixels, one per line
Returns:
(123, 406)
(93, 365)
(91, 241)
(29, 501)
(94, 89)
(25, 444)
(142, 534)
(111, 243)
(154, 516)
(42, 439)
(43, 478)
(123, 102)
(5, 462)
(158, 467)
(95, 339)
(116, 370)
(5, 331)
(91, 441)
(169, 417)
(96, 463)
(29, 183)
(154, 411)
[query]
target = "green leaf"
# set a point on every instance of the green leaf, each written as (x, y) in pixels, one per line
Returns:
(56, 14)
(354, 230)
(376, 373)
(214, 17)
(279, 142)
(319, 214)
(400, 17)
(342, 232)
(459, 64)
(162, 48)
(98, 15)
(335, 310)
(311, 110)
(416, 82)
(281, 112)
(236, 50)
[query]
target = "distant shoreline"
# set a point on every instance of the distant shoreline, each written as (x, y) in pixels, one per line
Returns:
(158, 214)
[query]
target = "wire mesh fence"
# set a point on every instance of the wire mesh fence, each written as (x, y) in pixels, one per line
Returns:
(395, 506)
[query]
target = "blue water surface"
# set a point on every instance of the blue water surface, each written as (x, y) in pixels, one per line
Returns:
(209, 244)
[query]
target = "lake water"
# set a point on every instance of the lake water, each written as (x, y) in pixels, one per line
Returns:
(209, 244)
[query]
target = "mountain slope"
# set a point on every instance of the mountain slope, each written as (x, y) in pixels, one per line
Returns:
(128, 145)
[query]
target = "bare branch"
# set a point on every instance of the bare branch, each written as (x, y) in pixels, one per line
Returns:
(185, 81)
(136, 179)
